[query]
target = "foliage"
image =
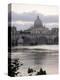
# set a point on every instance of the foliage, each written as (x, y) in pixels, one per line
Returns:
(30, 70)
(41, 72)
(13, 67)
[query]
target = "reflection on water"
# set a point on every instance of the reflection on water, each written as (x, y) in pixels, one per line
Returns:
(37, 58)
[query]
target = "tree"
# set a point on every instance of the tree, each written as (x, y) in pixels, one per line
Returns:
(13, 67)
(41, 72)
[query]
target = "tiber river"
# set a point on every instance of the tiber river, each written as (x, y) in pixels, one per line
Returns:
(36, 57)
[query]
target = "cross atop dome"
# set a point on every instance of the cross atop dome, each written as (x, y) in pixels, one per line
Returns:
(38, 22)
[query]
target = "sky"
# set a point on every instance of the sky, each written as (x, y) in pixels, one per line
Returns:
(46, 10)
(23, 15)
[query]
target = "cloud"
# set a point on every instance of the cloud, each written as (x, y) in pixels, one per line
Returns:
(25, 16)
(31, 16)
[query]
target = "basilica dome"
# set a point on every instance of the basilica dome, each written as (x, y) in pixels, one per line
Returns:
(38, 22)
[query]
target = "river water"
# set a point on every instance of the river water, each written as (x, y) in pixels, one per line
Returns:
(36, 57)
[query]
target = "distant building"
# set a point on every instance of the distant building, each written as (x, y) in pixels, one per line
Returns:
(38, 28)
(37, 34)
